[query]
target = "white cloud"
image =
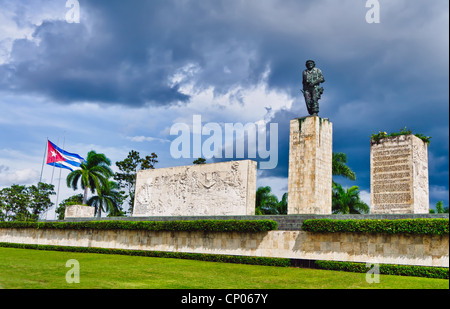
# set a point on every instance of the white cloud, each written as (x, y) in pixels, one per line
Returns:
(241, 104)
(19, 18)
(23, 176)
(365, 196)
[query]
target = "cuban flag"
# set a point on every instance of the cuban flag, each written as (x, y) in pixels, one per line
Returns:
(58, 157)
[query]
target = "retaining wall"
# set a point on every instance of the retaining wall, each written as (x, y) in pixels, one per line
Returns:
(403, 249)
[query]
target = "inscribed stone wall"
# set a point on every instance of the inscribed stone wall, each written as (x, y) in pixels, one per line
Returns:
(310, 166)
(227, 188)
(399, 175)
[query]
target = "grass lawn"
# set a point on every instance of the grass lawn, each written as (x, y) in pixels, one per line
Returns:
(30, 269)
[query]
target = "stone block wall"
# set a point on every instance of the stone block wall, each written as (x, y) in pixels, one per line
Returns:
(384, 249)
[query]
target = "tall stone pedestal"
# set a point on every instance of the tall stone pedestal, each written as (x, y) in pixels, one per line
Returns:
(310, 166)
(399, 176)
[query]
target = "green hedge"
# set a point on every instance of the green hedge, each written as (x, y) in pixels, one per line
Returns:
(387, 269)
(400, 226)
(242, 226)
(250, 260)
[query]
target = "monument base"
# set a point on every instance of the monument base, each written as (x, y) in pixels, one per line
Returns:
(310, 166)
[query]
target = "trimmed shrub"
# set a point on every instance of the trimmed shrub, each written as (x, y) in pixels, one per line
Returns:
(242, 226)
(401, 226)
(387, 269)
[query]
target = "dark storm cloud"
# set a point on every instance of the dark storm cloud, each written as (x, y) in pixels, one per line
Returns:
(70, 64)
(126, 51)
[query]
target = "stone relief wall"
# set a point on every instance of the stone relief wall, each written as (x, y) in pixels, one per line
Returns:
(227, 188)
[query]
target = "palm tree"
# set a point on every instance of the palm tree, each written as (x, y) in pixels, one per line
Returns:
(340, 168)
(265, 201)
(108, 199)
(348, 201)
(94, 174)
(282, 206)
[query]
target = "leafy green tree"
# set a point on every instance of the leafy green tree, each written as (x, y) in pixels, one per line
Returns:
(200, 161)
(148, 163)
(94, 174)
(348, 201)
(3, 207)
(126, 178)
(73, 200)
(40, 198)
(22, 203)
(108, 200)
(14, 200)
(440, 209)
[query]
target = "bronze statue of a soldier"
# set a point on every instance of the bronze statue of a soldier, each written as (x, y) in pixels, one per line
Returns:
(312, 78)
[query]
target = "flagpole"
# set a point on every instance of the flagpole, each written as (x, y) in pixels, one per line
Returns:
(54, 163)
(43, 159)
(42, 168)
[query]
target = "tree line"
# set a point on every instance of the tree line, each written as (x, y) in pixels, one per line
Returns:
(25, 203)
(110, 191)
